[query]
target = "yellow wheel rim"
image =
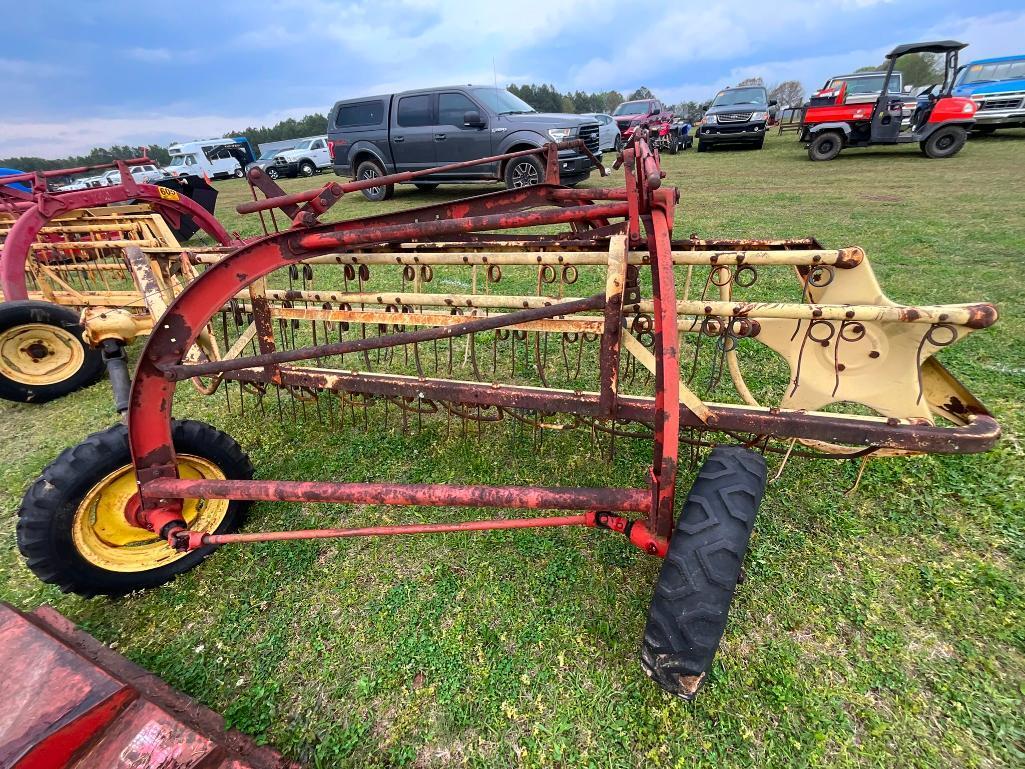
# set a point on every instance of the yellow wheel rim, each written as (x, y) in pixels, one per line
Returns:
(39, 354)
(106, 539)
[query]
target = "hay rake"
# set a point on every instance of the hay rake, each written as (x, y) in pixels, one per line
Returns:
(465, 311)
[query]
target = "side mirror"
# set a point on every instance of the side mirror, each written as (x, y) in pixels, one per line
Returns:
(472, 119)
(773, 102)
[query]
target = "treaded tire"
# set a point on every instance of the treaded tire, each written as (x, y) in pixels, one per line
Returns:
(370, 169)
(524, 172)
(692, 598)
(46, 515)
(825, 146)
(26, 312)
(703, 146)
(944, 142)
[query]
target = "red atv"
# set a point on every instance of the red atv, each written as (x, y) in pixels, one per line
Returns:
(940, 123)
(667, 134)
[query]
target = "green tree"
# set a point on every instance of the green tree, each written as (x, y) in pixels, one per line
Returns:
(916, 68)
(641, 93)
(750, 81)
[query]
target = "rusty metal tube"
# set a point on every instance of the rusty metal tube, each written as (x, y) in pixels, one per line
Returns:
(488, 323)
(413, 528)
(424, 494)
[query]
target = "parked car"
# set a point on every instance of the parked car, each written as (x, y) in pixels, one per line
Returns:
(735, 116)
(633, 113)
(305, 159)
(144, 174)
(609, 137)
(997, 86)
(417, 130)
(266, 164)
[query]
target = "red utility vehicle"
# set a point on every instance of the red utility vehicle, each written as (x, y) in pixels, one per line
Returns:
(940, 123)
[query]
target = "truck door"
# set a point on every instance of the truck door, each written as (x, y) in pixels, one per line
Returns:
(455, 142)
(319, 153)
(412, 132)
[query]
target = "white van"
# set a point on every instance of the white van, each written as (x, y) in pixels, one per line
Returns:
(216, 158)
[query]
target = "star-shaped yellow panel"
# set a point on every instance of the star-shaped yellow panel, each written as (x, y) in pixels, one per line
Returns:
(869, 352)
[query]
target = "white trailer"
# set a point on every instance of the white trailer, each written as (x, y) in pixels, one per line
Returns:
(216, 158)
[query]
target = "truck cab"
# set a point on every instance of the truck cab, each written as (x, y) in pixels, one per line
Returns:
(997, 86)
(634, 113)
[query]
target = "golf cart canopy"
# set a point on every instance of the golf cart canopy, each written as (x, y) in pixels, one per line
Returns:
(937, 46)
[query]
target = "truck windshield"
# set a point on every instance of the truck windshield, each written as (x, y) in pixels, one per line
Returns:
(632, 108)
(994, 71)
(501, 101)
(269, 154)
(740, 96)
(178, 160)
(304, 145)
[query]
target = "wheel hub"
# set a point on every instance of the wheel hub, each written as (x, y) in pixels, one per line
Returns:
(105, 535)
(39, 354)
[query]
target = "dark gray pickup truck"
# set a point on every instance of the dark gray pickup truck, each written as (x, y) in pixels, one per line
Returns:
(414, 130)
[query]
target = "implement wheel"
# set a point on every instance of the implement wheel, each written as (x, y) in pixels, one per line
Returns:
(72, 528)
(42, 353)
(692, 598)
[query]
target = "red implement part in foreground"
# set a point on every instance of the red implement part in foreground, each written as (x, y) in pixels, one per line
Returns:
(34, 209)
(67, 700)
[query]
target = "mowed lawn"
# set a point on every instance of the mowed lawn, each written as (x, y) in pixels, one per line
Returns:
(884, 628)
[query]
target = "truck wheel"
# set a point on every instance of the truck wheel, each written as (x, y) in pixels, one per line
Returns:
(760, 143)
(306, 168)
(239, 173)
(524, 172)
(825, 146)
(692, 598)
(72, 530)
(42, 353)
(368, 169)
(273, 173)
(617, 147)
(674, 144)
(425, 187)
(944, 142)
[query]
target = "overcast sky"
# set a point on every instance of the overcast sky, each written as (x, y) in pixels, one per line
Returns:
(83, 74)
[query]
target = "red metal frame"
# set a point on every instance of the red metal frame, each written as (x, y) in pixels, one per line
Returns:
(161, 366)
(34, 209)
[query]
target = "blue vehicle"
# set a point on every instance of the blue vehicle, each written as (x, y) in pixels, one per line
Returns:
(997, 86)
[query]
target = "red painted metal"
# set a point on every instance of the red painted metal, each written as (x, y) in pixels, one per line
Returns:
(44, 205)
(69, 702)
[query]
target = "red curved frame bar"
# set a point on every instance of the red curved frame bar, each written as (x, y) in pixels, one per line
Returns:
(150, 408)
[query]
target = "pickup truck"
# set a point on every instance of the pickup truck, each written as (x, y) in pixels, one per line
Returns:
(630, 114)
(997, 86)
(304, 159)
(415, 130)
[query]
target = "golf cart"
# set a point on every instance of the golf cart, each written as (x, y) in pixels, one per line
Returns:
(940, 123)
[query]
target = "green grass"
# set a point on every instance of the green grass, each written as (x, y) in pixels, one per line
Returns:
(886, 628)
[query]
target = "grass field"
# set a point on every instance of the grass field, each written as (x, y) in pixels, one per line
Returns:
(886, 628)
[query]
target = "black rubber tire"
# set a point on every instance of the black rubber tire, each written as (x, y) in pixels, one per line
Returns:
(703, 146)
(674, 144)
(239, 173)
(20, 313)
(306, 168)
(760, 143)
(692, 598)
(47, 510)
(944, 142)
(425, 186)
(375, 194)
(273, 173)
(617, 147)
(825, 146)
(513, 167)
